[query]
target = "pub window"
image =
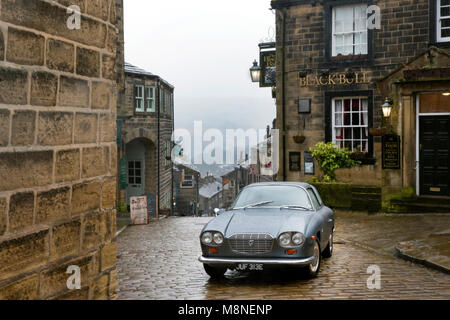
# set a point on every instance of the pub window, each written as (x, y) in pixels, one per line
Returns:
(150, 99)
(443, 20)
(350, 118)
(188, 182)
(349, 30)
(139, 98)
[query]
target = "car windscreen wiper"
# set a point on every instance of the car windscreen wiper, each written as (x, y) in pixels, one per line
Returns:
(294, 207)
(253, 205)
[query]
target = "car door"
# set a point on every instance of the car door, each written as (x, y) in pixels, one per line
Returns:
(322, 216)
(329, 214)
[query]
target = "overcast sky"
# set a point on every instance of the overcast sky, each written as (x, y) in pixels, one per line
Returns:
(205, 49)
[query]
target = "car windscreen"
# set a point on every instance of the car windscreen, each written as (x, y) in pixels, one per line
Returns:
(273, 196)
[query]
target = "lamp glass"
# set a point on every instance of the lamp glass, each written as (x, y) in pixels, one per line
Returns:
(255, 72)
(387, 111)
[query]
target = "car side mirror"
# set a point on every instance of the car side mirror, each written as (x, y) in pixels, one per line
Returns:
(218, 211)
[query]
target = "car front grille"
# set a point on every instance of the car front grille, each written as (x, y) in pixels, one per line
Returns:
(251, 243)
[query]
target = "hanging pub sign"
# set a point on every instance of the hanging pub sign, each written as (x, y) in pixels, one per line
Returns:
(333, 79)
(391, 151)
(268, 68)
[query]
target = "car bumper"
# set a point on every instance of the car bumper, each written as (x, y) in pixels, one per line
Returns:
(275, 261)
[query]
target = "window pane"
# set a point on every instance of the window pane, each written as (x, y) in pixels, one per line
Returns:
(445, 11)
(445, 33)
(445, 23)
(131, 180)
(131, 164)
(348, 133)
(338, 132)
(138, 181)
(138, 165)
(338, 119)
(357, 133)
(338, 106)
(355, 118)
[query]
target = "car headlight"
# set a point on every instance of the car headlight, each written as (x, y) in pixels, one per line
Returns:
(298, 238)
(218, 238)
(284, 240)
(207, 238)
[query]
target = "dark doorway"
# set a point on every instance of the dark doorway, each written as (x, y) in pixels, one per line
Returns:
(434, 147)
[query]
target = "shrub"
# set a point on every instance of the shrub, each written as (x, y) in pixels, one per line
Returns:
(331, 158)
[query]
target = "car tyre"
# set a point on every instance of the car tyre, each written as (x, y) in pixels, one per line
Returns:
(312, 270)
(214, 272)
(328, 252)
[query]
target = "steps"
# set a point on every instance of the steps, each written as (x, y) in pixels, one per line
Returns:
(424, 204)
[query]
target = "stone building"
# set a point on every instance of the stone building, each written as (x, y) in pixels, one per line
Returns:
(210, 195)
(145, 123)
(234, 181)
(58, 92)
(335, 68)
(186, 178)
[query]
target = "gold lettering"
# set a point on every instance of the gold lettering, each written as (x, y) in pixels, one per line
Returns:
(356, 77)
(303, 82)
(321, 81)
(330, 80)
(316, 80)
(348, 81)
(342, 79)
(364, 77)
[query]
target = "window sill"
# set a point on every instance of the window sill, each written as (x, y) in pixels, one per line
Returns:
(350, 60)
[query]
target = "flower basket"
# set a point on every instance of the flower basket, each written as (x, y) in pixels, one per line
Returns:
(376, 132)
(299, 139)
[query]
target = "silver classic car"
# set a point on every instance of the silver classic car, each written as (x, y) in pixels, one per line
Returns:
(269, 224)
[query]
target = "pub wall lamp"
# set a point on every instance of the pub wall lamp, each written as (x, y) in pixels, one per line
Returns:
(255, 72)
(387, 108)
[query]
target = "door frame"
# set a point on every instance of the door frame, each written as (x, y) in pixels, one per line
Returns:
(418, 115)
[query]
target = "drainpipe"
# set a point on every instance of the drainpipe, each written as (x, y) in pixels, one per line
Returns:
(159, 146)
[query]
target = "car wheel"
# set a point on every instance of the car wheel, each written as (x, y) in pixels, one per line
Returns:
(328, 252)
(312, 270)
(215, 272)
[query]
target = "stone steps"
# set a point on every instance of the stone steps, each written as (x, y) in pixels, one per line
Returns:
(421, 205)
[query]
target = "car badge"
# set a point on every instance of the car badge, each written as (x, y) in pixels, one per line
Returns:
(251, 242)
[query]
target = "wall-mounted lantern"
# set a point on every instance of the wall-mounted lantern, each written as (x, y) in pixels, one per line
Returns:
(387, 108)
(255, 72)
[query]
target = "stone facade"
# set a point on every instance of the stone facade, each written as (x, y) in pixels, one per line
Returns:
(186, 195)
(152, 129)
(234, 181)
(58, 148)
(210, 193)
(308, 69)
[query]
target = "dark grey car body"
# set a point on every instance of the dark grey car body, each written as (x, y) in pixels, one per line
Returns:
(268, 223)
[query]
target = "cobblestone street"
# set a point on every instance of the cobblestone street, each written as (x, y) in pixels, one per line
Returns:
(159, 261)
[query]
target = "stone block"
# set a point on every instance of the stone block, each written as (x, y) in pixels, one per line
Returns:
(44, 86)
(45, 17)
(65, 240)
(86, 128)
(109, 193)
(113, 283)
(88, 62)
(101, 93)
(109, 67)
(67, 166)
(94, 230)
(13, 86)
(53, 205)
(54, 281)
(78, 3)
(23, 289)
(73, 92)
(85, 197)
(4, 127)
(23, 128)
(108, 130)
(82, 294)
(94, 162)
(3, 215)
(100, 288)
(55, 128)
(25, 47)
(60, 55)
(111, 40)
(29, 169)
(113, 159)
(98, 8)
(2, 46)
(108, 256)
(21, 211)
(23, 254)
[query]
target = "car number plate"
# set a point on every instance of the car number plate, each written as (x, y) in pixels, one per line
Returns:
(250, 267)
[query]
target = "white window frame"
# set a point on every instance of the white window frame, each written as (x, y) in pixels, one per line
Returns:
(351, 126)
(439, 22)
(150, 99)
(139, 98)
(334, 34)
(185, 179)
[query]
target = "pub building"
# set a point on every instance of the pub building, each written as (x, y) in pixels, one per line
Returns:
(372, 76)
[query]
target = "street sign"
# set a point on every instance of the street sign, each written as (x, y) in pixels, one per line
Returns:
(138, 210)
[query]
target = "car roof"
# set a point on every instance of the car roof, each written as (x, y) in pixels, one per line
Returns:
(278, 183)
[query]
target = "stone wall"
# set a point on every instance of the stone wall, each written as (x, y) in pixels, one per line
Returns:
(58, 91)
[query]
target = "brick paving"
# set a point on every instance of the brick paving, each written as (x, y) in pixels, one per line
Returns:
(159, 261)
